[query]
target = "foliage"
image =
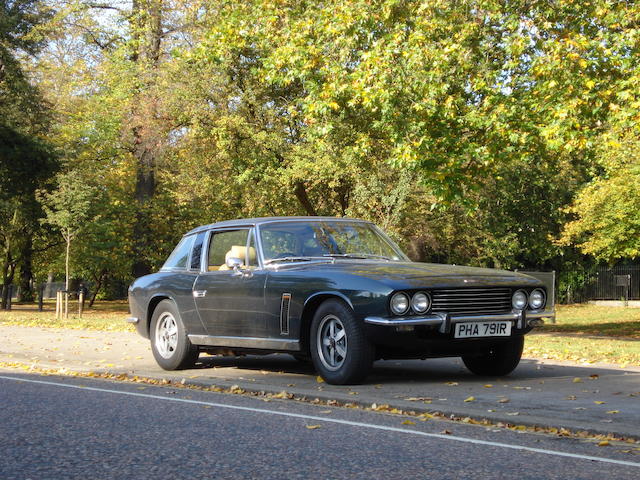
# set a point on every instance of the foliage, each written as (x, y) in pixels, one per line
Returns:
(465, 129)
(69, 208)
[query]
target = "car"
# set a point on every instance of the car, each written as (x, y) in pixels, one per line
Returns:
(336, 292)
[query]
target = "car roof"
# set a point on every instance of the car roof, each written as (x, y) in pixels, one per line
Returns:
(250, 222)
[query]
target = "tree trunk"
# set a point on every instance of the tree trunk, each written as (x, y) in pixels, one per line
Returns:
(66, 261)
(147, 37)
(303, 198)
(26, 271)
(97, 287)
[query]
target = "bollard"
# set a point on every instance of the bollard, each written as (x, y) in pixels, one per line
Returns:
(80, 302)
(41, 297)
(58, 304)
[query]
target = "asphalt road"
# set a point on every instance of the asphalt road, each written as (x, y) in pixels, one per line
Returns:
(63, 428)
(597, 398)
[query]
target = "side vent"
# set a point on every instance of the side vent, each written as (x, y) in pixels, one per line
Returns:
(284, 314)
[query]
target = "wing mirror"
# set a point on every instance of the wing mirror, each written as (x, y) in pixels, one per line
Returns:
(236, 264)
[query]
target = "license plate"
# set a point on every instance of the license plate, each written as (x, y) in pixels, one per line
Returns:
(482, 329)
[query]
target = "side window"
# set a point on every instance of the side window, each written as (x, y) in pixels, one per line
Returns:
(180, 255)
(223, 245)
(196, 254)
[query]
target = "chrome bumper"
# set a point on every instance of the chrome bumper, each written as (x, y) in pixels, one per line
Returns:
(443, 321)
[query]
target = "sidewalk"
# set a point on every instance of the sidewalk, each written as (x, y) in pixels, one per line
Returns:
(599, 399)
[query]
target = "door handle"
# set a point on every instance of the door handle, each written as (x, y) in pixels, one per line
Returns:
(199, 293)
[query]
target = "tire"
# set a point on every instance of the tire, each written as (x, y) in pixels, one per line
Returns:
(499, 360)
(340, 351)
(169, 342)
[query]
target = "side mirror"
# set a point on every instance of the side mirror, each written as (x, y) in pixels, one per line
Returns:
(234, 263)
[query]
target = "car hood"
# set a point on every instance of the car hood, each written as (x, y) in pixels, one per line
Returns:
(401, 275)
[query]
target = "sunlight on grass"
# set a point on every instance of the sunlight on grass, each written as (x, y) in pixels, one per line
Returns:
(104, 316)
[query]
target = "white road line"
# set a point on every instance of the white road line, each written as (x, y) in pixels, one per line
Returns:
(334, 420)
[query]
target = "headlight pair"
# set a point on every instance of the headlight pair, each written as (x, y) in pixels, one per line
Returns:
(420, 302)
(535, 300)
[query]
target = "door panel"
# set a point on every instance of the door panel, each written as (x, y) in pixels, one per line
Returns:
(231, 303)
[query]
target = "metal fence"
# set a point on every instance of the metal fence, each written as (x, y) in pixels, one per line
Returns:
(614, 283)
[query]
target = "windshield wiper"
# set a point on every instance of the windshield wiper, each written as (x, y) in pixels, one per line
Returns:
(356, 255)
(293, 259)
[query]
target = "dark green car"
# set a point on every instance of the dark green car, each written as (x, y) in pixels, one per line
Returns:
(334, 291)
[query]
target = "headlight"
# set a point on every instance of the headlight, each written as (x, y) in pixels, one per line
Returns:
(420, 302)
(519, 300)
(537, 299)
(399, 303)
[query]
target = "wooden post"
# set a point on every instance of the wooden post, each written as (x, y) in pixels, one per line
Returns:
(58, 304)
(66, 304)
(80, 302)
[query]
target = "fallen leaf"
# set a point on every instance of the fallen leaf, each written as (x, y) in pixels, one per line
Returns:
(613, 411)
(503, 400)
(408, 422)
(488, 385)
(312, 427)
(319, 379)
(470, 399)
(513, 413)
(282, 394)
(325, 411)
(603, 443)
(571, 397)
(599, 402)
(446, 432)
(595, 376)
(451, 384)
(577, 380)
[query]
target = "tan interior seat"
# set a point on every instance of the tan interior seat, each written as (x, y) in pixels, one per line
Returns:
(237, 251)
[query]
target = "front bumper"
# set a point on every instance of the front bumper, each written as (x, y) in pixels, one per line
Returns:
(521, 319)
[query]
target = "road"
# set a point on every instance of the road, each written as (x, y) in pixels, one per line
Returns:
(64, 428)
(601, 399)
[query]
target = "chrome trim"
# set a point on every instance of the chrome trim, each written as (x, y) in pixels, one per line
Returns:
(444, 321)
(246, 342)
(133, 320)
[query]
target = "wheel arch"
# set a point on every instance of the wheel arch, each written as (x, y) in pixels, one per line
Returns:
(151, 307)
(309, 309)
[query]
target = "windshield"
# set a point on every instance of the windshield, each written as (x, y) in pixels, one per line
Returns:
(326, 239)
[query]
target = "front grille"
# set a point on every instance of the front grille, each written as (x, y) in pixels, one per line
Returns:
(472, 300)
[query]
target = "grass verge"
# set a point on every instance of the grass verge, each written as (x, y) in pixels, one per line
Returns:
(104, 316)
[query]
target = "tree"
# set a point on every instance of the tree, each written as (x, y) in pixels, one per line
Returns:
(69, 208)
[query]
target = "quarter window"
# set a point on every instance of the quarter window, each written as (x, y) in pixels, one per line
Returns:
(196, 255)
(180, 255)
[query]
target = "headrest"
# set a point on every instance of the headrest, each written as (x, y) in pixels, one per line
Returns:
(239, 251)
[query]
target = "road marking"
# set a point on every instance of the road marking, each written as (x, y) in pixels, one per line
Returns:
(333, 420)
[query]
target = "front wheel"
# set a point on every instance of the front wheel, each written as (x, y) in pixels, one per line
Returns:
(340, 351)
(500, 359)
(169, 342)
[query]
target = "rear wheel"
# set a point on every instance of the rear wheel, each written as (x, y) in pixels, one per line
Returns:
(500, 359)
(340, 351)
(169, 342)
